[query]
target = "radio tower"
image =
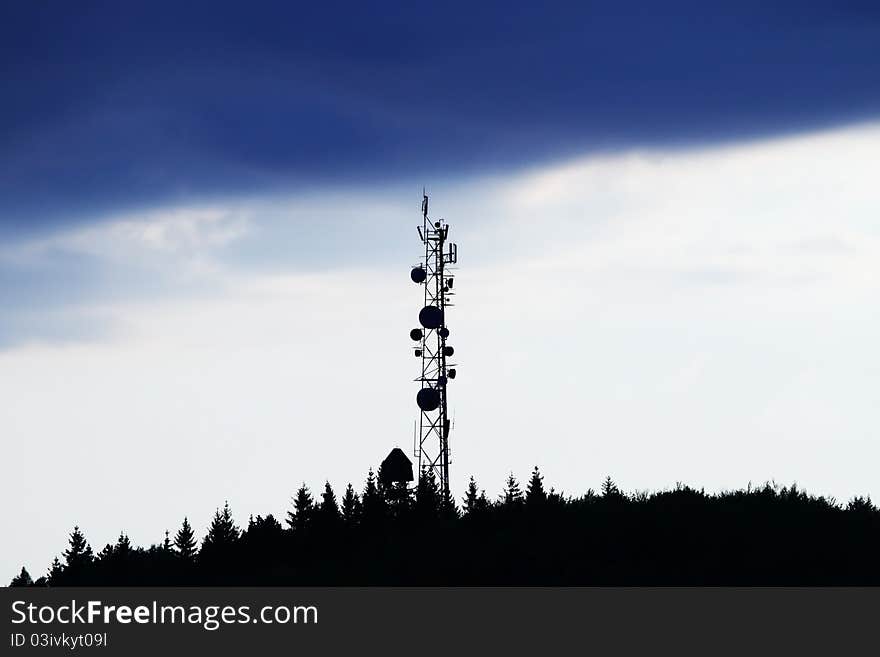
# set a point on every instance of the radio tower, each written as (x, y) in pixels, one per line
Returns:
(432, 440)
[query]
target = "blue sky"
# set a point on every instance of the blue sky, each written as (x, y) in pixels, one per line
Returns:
(668, 235)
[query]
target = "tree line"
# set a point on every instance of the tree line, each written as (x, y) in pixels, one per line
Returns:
(393, 534)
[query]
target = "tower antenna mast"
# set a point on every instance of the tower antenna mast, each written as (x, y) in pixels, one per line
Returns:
(432, 439)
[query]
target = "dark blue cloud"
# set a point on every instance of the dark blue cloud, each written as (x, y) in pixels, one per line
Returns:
(107, 105)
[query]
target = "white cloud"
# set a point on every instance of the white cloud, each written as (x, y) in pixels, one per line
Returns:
(188, 237)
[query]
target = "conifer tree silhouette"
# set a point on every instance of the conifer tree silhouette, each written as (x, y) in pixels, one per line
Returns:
(512, 496)
(351, 508)
(471, 497)
(328, 510)
(22, 579)
(222, 533)
(215, 557)
(78, 558)
(483, 503)
(123, 545)
(79, 553)
(610, 489)
(185, 542)
(449, 512)
(56, 572)
(427, 496)
(300, 518)
(374, 503)
(536, 497)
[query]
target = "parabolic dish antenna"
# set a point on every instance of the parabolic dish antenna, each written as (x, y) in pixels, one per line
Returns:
(431, 317)
(428, 399)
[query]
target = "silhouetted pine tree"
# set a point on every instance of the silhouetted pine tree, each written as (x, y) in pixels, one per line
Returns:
(185, 542)
(166, 544)
(222, 534)
(610, 491)
(483, 503)
(512, 496)
(471, 497)
(328, 514)
(351, 508)
(374, 502)
(80, 552)
(56, 572)
(123, 545)
(22, 579)
(301, 516)
(448, 509)
(427, 496)
(78, 558)
(536, 497)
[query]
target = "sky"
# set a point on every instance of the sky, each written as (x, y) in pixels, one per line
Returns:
(668, 238)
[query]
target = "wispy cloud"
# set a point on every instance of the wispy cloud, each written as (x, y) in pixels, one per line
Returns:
(767, 217)
(184, 233)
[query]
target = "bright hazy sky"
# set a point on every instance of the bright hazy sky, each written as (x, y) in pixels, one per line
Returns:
(701, 315)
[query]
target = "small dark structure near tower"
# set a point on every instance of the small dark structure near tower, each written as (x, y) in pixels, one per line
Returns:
(432, 439)
(396, 468)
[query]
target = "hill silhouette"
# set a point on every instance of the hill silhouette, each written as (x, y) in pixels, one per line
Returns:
(389, 534)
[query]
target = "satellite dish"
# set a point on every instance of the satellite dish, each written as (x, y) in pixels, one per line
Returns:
(448, 351)
(431, 317)
(428, 399)
(416, 334)
(451, 374)
(418, 275)
(444, 332)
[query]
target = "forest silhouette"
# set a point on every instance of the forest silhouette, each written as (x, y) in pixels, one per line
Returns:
(391, 534)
